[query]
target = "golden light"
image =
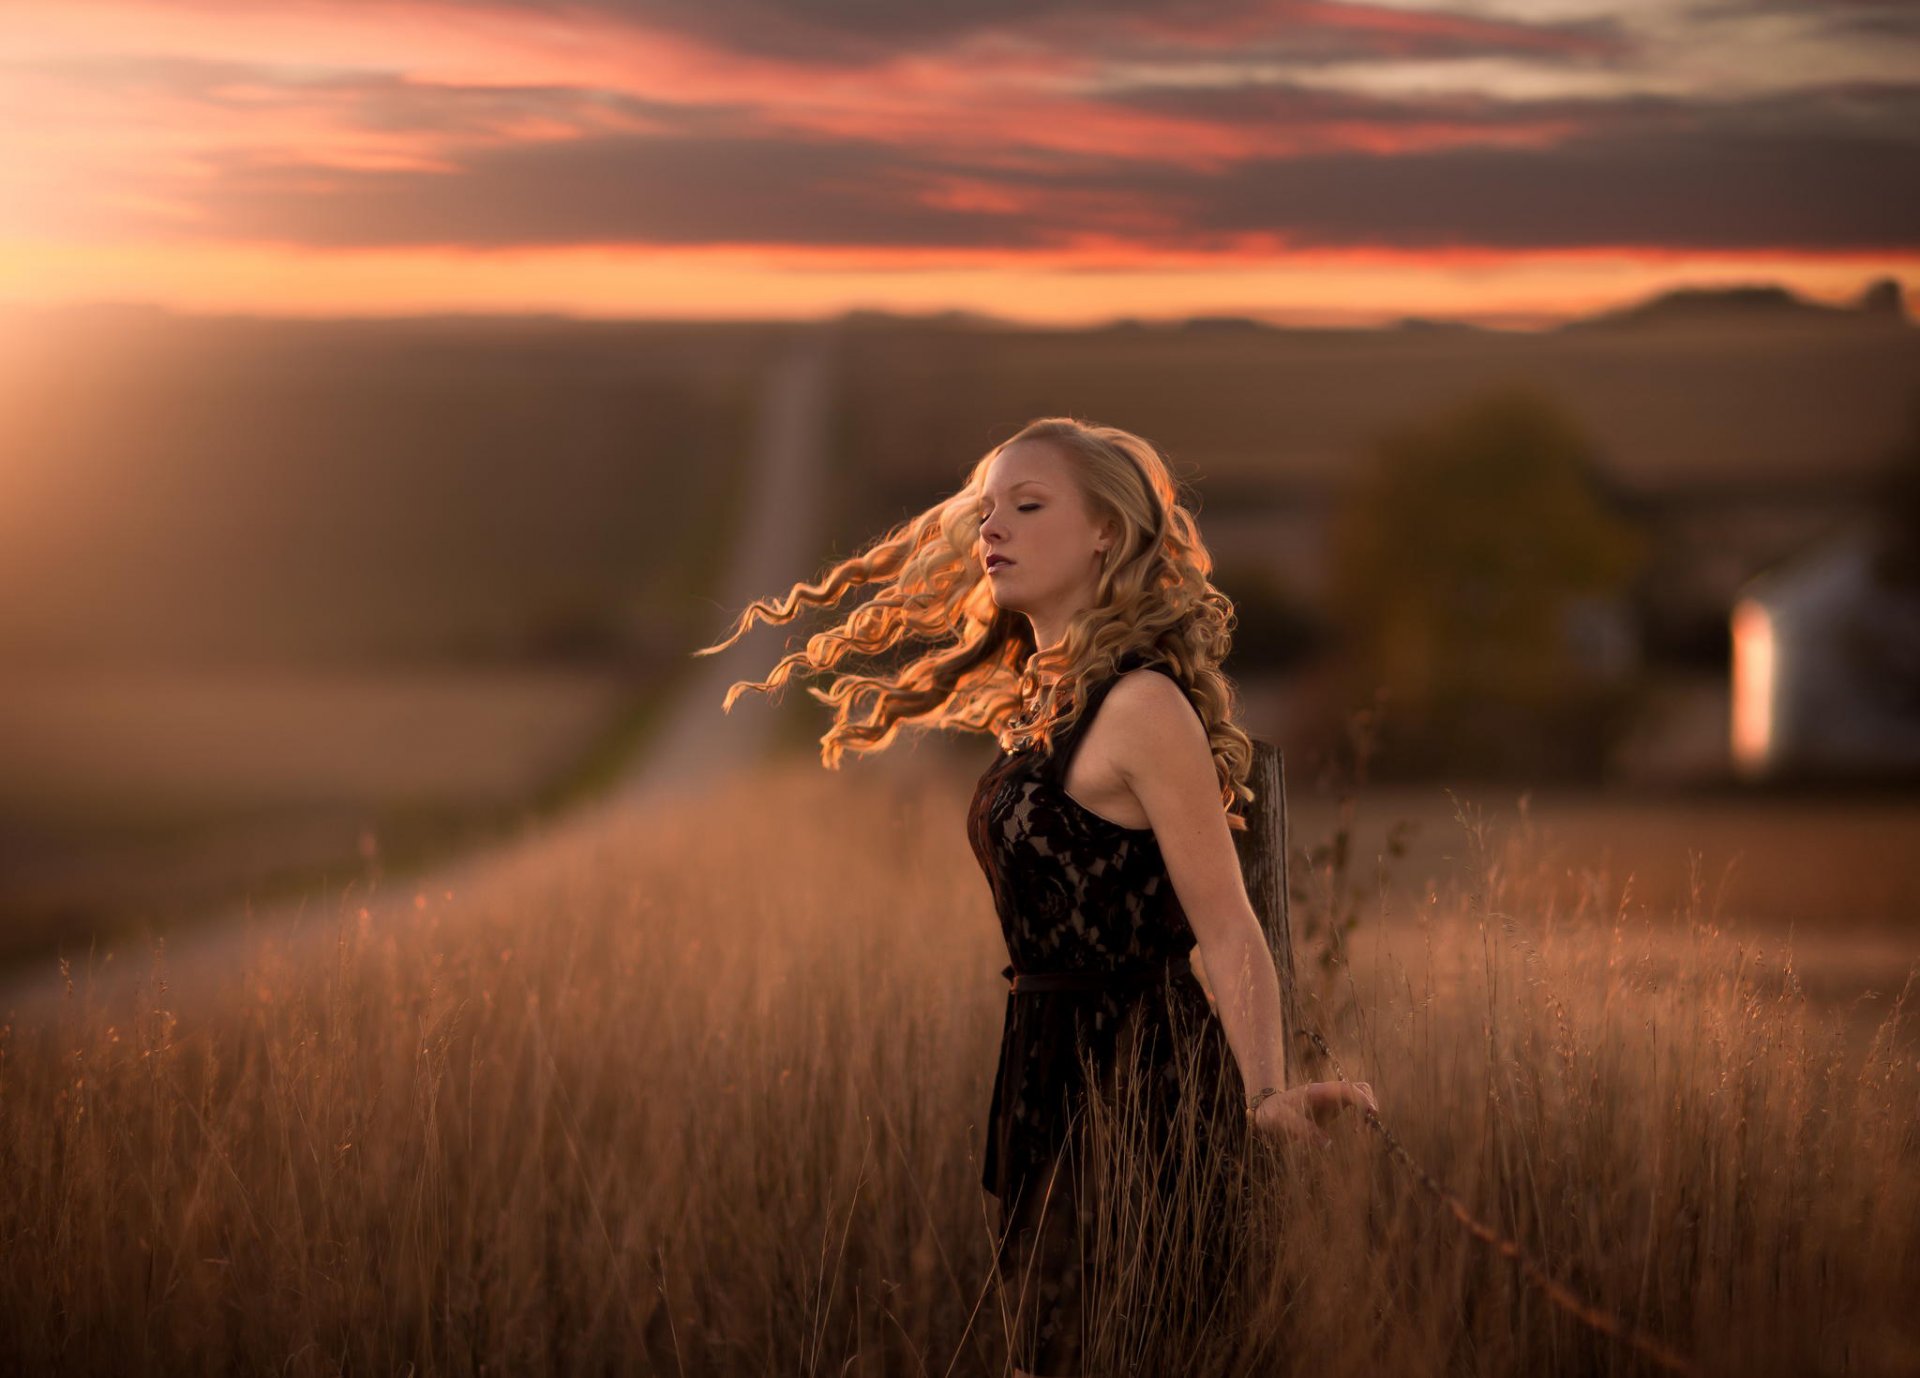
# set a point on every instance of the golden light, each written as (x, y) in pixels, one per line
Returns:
(1754, 681)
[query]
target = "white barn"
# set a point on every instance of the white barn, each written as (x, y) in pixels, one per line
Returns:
(1826, 666)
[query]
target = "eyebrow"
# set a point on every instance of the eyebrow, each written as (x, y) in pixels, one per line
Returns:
(1024, 483)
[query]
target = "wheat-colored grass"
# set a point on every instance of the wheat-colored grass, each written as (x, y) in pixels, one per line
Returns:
(700, 1091)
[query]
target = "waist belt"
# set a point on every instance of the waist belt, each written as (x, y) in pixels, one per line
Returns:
(1122, 978)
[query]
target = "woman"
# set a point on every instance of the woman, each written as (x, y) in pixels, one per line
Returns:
(1063, 599)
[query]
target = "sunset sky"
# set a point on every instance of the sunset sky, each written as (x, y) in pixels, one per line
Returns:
(1061, 161)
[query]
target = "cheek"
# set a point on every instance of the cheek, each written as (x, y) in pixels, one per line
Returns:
(1066, 545)
(1056, 540)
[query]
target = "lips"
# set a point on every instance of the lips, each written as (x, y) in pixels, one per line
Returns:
(997, 561)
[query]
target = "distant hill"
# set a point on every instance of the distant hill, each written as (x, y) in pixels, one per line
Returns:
(1881, 301)
(1754, 303)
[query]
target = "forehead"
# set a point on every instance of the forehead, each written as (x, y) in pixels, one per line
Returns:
(1025, 465)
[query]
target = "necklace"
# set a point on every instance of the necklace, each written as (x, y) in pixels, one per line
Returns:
(1018, 738)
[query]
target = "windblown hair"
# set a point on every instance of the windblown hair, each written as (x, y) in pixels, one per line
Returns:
(980, 668)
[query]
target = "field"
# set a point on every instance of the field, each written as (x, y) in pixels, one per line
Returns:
(220, 491)
(698, 1087)
(1264, 418)
(698, 1090)
(268, 587)
(152, 796)
(191, 509)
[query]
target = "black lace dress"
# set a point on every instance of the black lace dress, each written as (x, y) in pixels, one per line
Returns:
(1101, 981)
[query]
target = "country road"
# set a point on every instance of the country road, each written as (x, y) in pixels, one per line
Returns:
(779, 541)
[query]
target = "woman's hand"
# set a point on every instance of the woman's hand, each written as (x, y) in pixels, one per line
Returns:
(1296, 1114)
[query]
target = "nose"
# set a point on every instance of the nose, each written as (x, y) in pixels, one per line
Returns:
(991, 533)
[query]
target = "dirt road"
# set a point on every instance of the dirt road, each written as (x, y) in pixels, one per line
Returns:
(778, 543)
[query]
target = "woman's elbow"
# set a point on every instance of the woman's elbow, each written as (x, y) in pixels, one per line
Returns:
(1232, 942)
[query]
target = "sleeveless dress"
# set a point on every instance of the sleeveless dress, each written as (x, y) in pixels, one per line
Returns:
(1101, 980)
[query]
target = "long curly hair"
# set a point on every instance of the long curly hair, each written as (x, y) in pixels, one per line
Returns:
(974, 665)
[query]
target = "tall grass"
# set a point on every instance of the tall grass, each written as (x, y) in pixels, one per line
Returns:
(701, 1091)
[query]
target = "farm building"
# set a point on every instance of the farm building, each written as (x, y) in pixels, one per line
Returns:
(1826, 664)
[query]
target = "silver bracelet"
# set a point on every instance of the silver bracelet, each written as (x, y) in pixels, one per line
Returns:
(1253, 1101)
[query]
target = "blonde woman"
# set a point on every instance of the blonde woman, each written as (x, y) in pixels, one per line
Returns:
(1060, 600)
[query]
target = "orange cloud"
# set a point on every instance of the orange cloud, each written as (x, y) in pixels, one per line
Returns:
(212, 146)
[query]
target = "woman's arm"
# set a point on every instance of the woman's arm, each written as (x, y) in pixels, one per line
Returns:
(1168, 764)
(1165, 758)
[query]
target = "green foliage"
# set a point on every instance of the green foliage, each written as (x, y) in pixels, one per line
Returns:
(1896, 558)
(1456, 564)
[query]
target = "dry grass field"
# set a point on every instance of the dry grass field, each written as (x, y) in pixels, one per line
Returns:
(268, 585)
(152, 796)
(520, 497)
(700, 1090)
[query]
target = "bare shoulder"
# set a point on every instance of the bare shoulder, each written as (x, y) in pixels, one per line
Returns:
(1157, 717)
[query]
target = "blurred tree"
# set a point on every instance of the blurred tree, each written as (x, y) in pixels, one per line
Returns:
(1883, 632)
(1465, 562)
(1273, 629)
(1896, 503)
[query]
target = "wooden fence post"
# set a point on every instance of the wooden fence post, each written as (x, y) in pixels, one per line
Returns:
(1263, 866)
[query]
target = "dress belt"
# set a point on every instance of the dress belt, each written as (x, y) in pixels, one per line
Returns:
(1122, 978)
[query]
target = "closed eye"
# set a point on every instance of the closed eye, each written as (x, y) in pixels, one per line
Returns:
(1024, 507)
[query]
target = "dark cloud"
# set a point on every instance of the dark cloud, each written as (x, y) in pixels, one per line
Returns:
(1277, 108)
(1661, 177)
(1817, 170)
(865, 32)
(1823, 169)
(1861, 19)
(1857, 111)
(693, 189)
(384, 101)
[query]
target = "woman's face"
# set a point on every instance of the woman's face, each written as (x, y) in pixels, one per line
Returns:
(1034, 515)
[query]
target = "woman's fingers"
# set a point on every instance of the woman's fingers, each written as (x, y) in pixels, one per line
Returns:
(1328, 1098)
(1297, 1113)
(1299, 1131)
(1280, 1118)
